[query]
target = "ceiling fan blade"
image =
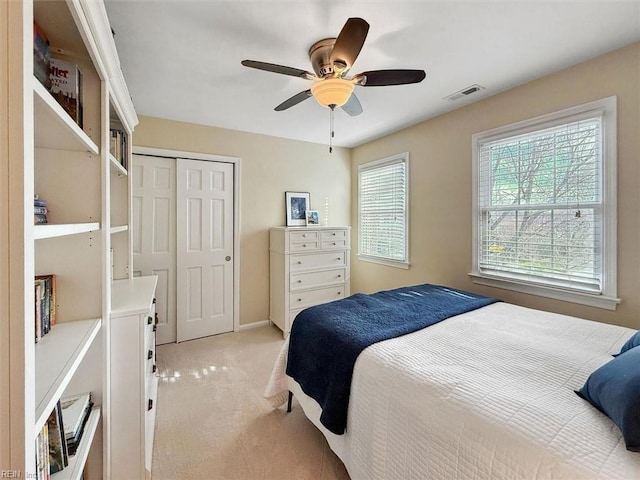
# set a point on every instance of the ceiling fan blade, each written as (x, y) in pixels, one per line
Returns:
(352, 107)
(272, 67)
(349, 42)
(296, 99)
(380, 78)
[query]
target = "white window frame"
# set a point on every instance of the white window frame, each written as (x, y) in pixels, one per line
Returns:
(391, 262)
(607, 298)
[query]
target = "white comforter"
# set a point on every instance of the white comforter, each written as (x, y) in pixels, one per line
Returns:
(485, 395)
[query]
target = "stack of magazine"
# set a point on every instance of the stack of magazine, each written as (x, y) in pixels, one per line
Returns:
(75, 413)
(61, 434)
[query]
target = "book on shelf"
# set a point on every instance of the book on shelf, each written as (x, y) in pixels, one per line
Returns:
(41, 56)
(45, 304)
(118, 145)
(40, 211)
(66, 87)
(42, 453)
(75, 413)
(58, 458)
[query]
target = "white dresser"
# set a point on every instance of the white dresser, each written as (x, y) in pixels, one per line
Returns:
(134, 383)
(308, 266)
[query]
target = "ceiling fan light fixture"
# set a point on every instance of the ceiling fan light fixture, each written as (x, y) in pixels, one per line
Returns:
(332, 91)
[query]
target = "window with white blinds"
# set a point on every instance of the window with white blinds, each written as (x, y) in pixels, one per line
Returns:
(383, 212)
(545, 214)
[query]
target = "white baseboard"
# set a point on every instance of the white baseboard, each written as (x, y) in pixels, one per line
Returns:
(247, 326)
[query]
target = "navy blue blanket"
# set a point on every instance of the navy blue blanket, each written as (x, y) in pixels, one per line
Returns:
(326, 339)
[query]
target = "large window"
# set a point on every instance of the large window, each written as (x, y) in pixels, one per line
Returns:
(383, 211)
(544, 205)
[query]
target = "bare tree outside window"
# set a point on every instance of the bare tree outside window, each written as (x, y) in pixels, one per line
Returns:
(539, 203)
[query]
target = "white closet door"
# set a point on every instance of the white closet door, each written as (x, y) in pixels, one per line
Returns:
(154, 234)
(204, 193)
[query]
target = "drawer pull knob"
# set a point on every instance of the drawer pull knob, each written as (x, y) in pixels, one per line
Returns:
(339, 276)
(304, 245)
(150, 404)
(339, 258)
(304, 235)
(149, 320)
(149, 354)
(300, 263)
(299, 299)
(339, 293)
(334, 243)
(334, 234)
(299, 281)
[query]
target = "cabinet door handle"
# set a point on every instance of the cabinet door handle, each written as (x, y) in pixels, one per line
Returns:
(154, 300)
(150, 404)
(149, 354)
(156, 318)
(153, 370)
(155, 327)
(149, 321)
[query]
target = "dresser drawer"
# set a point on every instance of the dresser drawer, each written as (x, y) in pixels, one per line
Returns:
(329, 259)
(333, 235)
(334, 244)
(315, 297)
(304, 236)
(316, 279)
(307, 246)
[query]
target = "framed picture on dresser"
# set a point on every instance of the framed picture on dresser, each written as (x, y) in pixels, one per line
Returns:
(296, 204)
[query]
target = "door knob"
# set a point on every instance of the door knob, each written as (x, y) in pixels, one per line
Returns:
(227, 258)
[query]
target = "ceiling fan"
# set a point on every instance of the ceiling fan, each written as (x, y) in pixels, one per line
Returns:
(332, 58)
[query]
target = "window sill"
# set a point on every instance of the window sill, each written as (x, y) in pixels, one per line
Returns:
(384, 261)
(591, 300)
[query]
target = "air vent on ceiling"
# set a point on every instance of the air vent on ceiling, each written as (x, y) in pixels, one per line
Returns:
(465, 92)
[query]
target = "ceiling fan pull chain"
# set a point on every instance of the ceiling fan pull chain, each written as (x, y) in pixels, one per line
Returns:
(332, 133)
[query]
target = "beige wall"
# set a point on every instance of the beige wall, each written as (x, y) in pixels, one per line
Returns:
(269, 167)
(440, 183)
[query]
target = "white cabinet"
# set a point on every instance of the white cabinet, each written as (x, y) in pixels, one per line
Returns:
(308, 266)
(134, 383)
(44, 151)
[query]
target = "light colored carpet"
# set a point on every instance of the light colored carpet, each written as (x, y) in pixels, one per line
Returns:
(213, 422)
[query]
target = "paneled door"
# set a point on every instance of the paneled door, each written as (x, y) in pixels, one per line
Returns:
(154, 234)
(204, 192)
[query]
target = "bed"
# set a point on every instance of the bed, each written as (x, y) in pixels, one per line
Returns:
(485, 394)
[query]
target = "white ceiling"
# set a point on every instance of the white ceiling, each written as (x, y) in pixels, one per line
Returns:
(181, 59)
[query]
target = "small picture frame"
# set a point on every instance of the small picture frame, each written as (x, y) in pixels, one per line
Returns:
(296, 204)
(312, 217)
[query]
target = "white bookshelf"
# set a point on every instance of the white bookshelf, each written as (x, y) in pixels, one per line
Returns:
(69, 166)
(58, 355)
(116, 167)
(54, 128)
(119, 228)
(52, 230)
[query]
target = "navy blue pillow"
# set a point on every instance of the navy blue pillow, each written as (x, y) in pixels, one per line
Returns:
(614, 389)
(634, 341)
